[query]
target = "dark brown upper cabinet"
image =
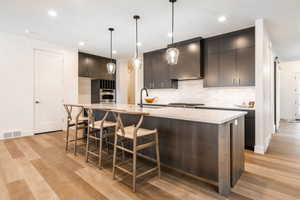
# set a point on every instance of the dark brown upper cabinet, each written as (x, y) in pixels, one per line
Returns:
(189, 64)
(93, 66)
(229, 59)
(156, 71)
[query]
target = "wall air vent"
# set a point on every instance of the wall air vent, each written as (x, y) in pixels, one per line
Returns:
(12, 134)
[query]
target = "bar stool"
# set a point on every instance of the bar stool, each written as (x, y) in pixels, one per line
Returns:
(97, 131)
(80, 122)
(133, 133)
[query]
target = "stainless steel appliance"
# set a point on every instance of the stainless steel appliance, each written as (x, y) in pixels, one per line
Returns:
(107, 95)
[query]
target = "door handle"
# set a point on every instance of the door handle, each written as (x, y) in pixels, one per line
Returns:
(37, 102)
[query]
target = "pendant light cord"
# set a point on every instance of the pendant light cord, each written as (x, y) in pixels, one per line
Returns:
(111, 46)
(136, 38)
(172, 22)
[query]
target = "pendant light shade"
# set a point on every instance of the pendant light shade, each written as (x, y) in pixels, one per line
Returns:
(172, 52)
(172, 56)
(111, 67)
(136, 61)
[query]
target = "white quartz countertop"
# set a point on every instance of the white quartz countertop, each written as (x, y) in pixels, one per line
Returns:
(196, 115)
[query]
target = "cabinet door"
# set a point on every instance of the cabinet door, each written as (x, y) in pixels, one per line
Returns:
(188, 66)
(95, 66)
(246, 66)
(148, 70)
(228, 69)
(245, 39)
(249, 133)
(83, 62)
(95, 91)
(211, 70)
(212, 45)
(228, 43)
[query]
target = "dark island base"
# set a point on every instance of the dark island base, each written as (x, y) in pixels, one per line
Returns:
(210, 151)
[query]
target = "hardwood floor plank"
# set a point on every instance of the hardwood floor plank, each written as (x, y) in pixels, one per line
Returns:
(273, 184)
(37, 184)
(29, 153)
(283, 176)
(102, 184)
(3, 189)
(13, 149)
(63, 187)
(54, 155)
(8, 167)
(39, 168)
(180, 190)
(19, 190)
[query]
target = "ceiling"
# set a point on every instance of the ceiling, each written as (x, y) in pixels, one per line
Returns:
(88, 21)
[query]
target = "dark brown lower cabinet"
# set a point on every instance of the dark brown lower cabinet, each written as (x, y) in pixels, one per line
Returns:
(249, 126)
(214, 152)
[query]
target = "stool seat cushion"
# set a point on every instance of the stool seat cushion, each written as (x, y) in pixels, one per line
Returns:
(129, 130)
(106, 124)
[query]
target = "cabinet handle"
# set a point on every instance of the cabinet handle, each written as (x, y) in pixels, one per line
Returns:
(233, 81)
(239, 81)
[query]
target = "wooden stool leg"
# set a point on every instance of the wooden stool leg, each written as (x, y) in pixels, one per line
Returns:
(134, 166)
(157, 153)
(87, 144)
(100, 148)
(67, 136)
(75, 141)
(115, 155)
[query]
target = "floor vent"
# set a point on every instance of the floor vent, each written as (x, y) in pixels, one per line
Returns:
(12, 134)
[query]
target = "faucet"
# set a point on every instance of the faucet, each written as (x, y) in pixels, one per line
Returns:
(141, 93)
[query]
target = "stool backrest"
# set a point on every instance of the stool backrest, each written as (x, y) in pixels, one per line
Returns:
(117, 114)
(91, 117)
(69, 109)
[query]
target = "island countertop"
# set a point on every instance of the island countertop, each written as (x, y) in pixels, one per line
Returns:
(195, 115)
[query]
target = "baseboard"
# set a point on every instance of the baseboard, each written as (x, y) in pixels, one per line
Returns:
(268, 140)
(259, 149)
(263, 149)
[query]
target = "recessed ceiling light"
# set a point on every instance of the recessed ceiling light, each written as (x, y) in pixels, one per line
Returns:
(52, 13)
(114, 52)
(27, 31)
(81, 43)
(139, 44)
(170, 35)
(222, 19)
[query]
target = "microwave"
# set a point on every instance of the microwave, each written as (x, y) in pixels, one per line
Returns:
(107, 95)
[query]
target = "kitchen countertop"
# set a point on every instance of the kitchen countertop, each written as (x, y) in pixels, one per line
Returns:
(231, 107)
(196, 115)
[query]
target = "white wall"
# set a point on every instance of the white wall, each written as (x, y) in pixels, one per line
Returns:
(17, 80)
(287, 88)
(85, 87)
(122, 81)
(264, 75)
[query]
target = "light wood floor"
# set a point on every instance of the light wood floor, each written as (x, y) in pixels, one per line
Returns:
(38, 168)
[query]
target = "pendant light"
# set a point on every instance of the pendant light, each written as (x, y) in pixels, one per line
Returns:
(136, 61)
(172, 52)
(111, 67)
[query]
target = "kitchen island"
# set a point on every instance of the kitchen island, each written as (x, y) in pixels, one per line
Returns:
(206, 144)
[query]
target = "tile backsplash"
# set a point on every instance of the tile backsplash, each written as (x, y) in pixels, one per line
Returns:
(192, 91)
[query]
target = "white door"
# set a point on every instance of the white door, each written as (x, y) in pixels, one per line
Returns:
(48, 91)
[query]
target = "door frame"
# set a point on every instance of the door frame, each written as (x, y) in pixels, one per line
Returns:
(35, 131)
